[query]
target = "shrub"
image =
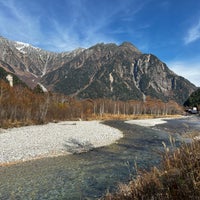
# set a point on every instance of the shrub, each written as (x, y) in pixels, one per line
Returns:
(177, 178)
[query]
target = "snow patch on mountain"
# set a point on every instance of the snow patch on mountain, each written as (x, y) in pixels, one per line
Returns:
(43, 88)
(23, 47)
(45, 65)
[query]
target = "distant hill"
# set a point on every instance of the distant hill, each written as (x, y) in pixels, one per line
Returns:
(118, 72)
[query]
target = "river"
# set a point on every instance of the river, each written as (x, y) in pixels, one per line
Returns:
(89, 175)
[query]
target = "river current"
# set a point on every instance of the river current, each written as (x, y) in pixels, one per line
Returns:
(91, 174)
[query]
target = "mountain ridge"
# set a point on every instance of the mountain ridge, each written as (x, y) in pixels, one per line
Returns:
(120, 72)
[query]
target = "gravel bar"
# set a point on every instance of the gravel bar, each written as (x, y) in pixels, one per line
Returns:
(148, 122)
(54, 139)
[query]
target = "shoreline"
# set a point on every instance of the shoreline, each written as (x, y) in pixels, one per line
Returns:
(153, 122)
(58, 139)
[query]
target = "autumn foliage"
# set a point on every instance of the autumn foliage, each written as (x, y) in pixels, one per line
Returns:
(21, 106)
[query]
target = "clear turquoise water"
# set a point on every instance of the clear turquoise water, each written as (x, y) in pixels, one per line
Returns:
(89, 175)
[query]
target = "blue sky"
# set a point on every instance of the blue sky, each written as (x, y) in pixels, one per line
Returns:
(169, 29)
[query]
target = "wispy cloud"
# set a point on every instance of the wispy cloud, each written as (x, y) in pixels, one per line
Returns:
(83, 31)
(187, 69)
(67, 25)
(193, 33)
(90, 24)
(16, 22)
(80, 28)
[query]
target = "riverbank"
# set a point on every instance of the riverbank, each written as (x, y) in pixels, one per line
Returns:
(154, 121)
(53, 139)
(63, 138)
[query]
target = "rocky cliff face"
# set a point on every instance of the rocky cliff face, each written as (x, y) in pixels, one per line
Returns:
(118, 72)
(31, 63)
(102, 71)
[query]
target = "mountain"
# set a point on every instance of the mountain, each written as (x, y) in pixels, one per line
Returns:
(31, 63)
(119, 72)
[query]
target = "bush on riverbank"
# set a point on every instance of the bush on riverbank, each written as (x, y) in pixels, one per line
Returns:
(178, 178)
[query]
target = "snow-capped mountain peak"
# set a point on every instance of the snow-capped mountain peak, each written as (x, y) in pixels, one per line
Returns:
(24, 47)
(22, 44)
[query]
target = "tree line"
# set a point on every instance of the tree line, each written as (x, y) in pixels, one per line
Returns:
(193, 100)
(20, 105)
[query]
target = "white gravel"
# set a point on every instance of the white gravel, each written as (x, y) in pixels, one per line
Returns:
(147, 122)
(53, 139)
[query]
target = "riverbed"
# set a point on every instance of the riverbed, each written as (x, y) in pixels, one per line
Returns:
(89, 175)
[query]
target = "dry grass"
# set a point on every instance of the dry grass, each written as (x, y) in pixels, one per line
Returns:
(128, 117)
(11, 124)
(178, 178)
(193, 134)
